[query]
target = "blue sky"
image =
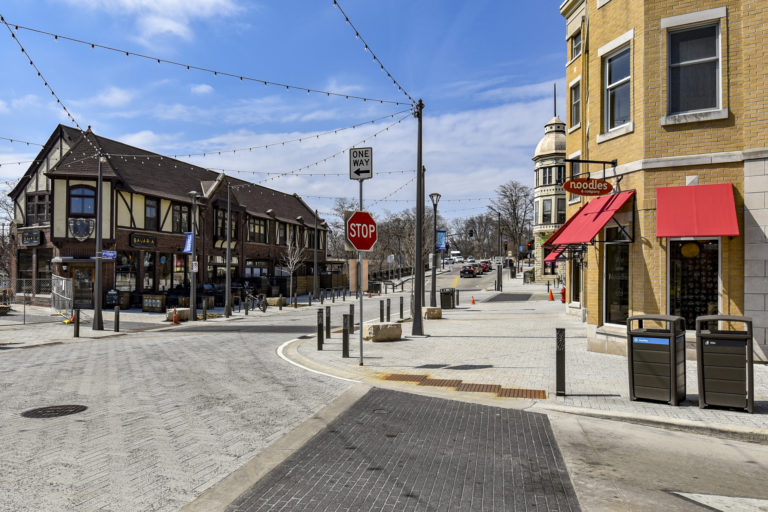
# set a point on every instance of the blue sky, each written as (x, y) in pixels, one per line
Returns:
(483, 68)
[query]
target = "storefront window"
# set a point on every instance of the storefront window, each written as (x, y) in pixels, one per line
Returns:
(576, 280)
(256, 268)
(149, 271)
(693, 279)
(44, 257)
(616, 283)
(25, 264)
(165, 272)
(180, 270)
(125, 271)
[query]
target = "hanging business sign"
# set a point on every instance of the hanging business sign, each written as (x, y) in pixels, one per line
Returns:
(440, 240)
(30, 238)
(587, 187)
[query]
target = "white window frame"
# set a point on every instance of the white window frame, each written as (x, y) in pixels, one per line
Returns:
(717, 58)
(573, 198)
(607, 88)
(719, 270)
(574, 83)
(605, 281)
(573, 40)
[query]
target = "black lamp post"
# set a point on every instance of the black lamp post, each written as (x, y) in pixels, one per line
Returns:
(193, 260)
(435, 197)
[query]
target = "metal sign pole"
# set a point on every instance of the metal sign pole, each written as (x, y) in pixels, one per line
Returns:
(360, 281)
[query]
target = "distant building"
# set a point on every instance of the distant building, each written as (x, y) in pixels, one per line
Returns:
(147, 211)
(549, 197)
(673, 90)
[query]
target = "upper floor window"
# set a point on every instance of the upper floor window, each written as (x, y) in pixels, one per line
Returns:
(151, 214)
(546, 176)
(617, 89)
(560, 210)
(282, 238)
(309, 238)
(560, 174)
(38, 209)
(576, 45)
(82, 201)
(575, 118)
(546, 211)
(220, 230)
(180, 218)
(694, 69)
(535, 213)
(257, 230)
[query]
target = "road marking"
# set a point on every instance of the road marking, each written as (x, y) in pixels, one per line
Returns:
(455, 281)
(285, 358)
(718, 502)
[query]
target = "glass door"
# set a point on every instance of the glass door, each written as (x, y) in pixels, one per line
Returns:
(694, 273)
(82, 286)
(616, 283)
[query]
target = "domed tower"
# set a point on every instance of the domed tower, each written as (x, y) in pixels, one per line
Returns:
(548, 195)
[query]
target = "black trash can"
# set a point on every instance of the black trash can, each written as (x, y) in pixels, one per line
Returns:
(725, 363)
(656, 358)
(447, 300)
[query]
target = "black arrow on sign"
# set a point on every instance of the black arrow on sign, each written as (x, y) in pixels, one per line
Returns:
(359, 172)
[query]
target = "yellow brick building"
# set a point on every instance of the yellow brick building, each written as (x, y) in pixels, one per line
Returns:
(675, 91)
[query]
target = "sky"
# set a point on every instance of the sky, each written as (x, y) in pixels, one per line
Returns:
(484, 69)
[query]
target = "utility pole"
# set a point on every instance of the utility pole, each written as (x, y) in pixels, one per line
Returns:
(98, 320)
(228, 278)
(192, 260)
(417, 328)
(314, 269)
(435, 197)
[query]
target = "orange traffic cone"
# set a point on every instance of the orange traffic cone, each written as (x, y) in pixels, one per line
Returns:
(473, 300)
(551, 297)
(175, 316)
(73, 318)
(379, 293)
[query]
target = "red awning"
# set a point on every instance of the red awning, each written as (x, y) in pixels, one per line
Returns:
(696, 210)
(552, 256)
(585, 224)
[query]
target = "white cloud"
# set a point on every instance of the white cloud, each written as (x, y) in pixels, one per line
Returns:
(110, 97)
(202, 89)
(26, 101)
(3, 107)
(147, 139)
(521, 92)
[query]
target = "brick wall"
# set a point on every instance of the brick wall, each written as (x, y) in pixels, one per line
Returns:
(756, 248)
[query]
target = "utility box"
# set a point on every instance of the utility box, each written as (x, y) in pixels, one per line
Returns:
(725, 363)
(656, 358)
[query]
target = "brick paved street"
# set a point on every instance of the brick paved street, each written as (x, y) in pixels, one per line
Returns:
(396, 451)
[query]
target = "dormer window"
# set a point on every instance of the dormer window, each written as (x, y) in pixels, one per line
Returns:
(82, 201)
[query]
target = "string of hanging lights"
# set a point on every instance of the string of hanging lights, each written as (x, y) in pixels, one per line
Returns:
(21, 142)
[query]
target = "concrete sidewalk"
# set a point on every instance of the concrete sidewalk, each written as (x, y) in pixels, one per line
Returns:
(510, 344)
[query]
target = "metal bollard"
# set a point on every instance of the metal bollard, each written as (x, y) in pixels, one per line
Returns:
(322, 296)
(205, 310)
(345, 336)
(246, 308)
(560, 362)
(381, 311)
(327, 322)
(401, 308)
(388, 309)
(117, 318)
(457, 296)
(280, 304)
(498, 278)
(547, 286)
(319, 329)
(310, 299)
(77, 323)
(351, 319)
(333, 296)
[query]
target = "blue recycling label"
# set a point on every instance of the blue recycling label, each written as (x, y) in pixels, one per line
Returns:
(650, 341)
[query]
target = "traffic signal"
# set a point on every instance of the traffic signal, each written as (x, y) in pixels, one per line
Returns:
(529, 245)
(471, 233)
(505, 245)
(447, 246)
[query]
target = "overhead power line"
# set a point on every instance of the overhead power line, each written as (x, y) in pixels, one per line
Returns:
(375, 58)
(214, 72)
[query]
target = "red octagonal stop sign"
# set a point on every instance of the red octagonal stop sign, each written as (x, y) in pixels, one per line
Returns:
(361, 231)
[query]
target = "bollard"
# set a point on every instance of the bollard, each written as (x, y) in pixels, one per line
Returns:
(77, 323)
(495, 286)
(117, 318)
(345, 336)
(280, 304)
(322, 296)
(351, 319)
(205, 310)
(401, 308)
(310, 298)
(344, 295)
(388, 309)
(498, 278)
(333, 296)
(560, 362)
(327, 322)
(319, 329)
(547, 286)
(381, 311)
(457, 296)
(246, 308)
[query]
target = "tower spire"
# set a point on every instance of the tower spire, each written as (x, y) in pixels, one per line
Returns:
(554, 98)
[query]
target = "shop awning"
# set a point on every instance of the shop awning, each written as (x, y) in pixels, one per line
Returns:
(552, 256)
(586, 223)
(696, 210)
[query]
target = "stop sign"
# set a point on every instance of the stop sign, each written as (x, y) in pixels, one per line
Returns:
(361, 231)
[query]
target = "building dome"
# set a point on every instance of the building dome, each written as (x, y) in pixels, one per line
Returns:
(553, 140)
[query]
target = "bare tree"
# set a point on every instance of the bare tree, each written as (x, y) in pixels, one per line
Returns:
(337, 239)
(515, 203)
(7, 244)
(293, 257)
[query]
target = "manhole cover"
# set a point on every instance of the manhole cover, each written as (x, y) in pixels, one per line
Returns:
(53, 411)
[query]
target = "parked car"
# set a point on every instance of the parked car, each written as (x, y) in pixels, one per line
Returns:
(487, 264)
(467, 271)
(448, 261)
(478, 268)
(470, 259)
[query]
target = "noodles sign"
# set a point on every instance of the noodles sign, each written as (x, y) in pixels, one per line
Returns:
(587, 187)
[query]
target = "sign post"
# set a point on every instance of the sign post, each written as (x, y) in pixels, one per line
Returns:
(361, 169)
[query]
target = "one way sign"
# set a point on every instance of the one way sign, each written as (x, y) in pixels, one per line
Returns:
(360, 163)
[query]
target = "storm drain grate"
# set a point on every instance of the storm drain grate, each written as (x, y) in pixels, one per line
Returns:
(522, 393)
(441, 383)
(479, 388)
(404, 377)
(54, 411)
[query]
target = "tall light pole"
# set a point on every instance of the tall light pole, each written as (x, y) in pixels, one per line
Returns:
(417, 329)
(314, 268)
(98, 320)
(435, 197)
(228, 278)
(192, 260)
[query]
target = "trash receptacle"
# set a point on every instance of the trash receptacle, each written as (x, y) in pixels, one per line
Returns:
(725, 363)
(656, 358)
(446, 298)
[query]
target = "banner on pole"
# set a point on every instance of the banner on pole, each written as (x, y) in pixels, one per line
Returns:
(440, 240)
(188, 243)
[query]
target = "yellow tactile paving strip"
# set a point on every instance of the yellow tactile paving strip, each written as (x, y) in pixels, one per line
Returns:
(425, 380)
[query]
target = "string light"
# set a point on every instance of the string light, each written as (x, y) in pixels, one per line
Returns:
(398, 189)
(21, 141)
(214, 72)
(325, 173)
(368, 49)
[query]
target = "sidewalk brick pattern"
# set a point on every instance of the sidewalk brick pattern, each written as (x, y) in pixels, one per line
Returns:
(395, 451)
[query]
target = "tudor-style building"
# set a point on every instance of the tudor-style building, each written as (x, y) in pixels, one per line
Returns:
(147, 209)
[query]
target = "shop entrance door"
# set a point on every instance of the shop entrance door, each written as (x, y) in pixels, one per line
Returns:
(82, 286)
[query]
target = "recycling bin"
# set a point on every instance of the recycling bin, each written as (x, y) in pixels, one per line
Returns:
(447, 300)
(725, 363)
(656, 358)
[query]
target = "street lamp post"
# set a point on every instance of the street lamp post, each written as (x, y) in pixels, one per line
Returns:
(98, 320)
(314, 268)
(193, 260)
(417, 327)
(435, 197)
(228, 278)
